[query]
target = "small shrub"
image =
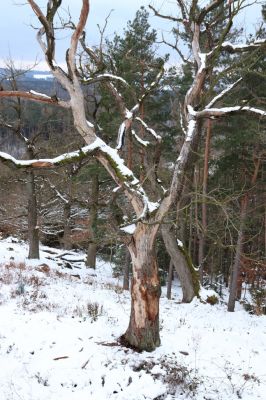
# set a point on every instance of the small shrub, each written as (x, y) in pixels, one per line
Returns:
(259, 300)
(94, 310)
(34, 281)
(257, 303)
(239, 383)
(118, 289)
(212, 300)
(171, 373)
(20, 289)
(44, 268)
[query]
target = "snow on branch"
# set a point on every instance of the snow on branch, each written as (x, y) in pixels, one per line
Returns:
(130, 115)
(51, 162)
(121, 135)
(223, 93)
(104, 77)
(190, 130)
(131, 184)
(142, 142)
(241, 48)
(35, 96)
(130, 229)
(122, 174)
(203, 61)
(220, 112)
(149, 130)
(123, 128)
(182, 120)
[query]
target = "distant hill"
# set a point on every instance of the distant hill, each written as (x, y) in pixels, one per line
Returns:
(40, 81)
(42, 75)
(32, 74)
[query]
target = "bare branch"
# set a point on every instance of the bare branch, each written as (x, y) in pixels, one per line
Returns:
(71, 54)
(174, 47)
(164, 16)
(209, 7)
(47, 23)
(35, 96)
(57, 192)
(183, 8)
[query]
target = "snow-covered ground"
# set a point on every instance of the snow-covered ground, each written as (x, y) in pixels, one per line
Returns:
(59, 328)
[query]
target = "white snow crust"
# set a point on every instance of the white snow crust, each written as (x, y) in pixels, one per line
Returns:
(53, 348)
(129, 229)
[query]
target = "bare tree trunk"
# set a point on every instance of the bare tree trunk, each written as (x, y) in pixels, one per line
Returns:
(33, 228)
(92, 247)
(185, 270)
(202, 238)
(196, 180)
(126, 271)
(170, 279)
(143, 330)
(239, 248)
(91, 255)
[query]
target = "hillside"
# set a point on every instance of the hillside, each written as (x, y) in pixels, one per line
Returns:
(60, 325)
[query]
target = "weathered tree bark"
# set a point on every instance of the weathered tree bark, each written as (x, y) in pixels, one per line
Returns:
(92, 225)
(33, 228)
(202, 238)
(143, 330)
(170, 280)
(126, 271)
(185, 270)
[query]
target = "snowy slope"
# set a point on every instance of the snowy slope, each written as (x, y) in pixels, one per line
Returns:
(59, 330)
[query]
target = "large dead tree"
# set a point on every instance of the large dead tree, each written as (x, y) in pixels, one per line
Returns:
(143, 329)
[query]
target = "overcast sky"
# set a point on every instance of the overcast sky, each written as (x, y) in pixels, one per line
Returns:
(17, 37)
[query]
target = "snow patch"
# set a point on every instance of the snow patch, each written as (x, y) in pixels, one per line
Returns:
(56, 345)
(129, 229)
(42, 76)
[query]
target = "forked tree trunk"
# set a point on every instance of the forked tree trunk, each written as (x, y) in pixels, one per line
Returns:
(143, 330)
(33, 228)
(185, 270)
